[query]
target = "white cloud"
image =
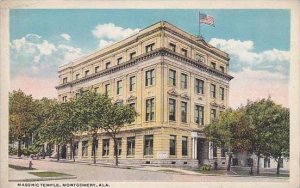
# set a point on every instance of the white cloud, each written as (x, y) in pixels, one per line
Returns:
(65, 36)
(242, 55)
(108, 33)
(33, 56)
(258, 84)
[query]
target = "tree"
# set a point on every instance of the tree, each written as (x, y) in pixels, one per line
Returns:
(60, 127)
(21, 117)
(278, 145)
(261, 115)
(92, 108)
(231, 131)
(117, 116)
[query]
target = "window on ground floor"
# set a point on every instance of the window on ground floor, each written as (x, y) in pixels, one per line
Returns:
(131, 146)
(172, 145)
(215, 149)
(95, 147)
(75, 148)
(84, 148)
(148, 145)
(105, 147)
(119, 147)
(184, 145)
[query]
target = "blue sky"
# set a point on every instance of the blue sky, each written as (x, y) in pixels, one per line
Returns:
(257, 41)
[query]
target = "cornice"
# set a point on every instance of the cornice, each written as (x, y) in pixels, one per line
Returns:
(155, 53)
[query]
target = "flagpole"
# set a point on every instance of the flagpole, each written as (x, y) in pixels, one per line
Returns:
(199, 26)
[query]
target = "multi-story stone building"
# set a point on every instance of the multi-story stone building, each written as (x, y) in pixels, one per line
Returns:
(177, 83)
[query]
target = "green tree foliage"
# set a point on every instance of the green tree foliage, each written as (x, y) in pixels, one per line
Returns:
(279, 142)
(262, 116)
(61, 125)
(231, 131)
(21, 117)
(92, 114)
(116, 117)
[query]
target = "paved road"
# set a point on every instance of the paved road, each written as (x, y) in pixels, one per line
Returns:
(85, 172)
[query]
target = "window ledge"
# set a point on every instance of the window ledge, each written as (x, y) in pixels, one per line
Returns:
(148, 156)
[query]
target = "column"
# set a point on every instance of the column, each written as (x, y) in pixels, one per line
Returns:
(79, 153)
(193, 149)
(195, 140)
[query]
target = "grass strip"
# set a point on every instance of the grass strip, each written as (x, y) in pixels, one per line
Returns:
(20, 167)
(49, 174)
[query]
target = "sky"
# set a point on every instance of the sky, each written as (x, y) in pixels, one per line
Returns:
(258, 42)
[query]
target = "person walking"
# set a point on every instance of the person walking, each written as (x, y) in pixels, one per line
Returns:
(30, 161)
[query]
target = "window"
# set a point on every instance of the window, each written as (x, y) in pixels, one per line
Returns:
(184, 145)
(149, 47)
(280, 163)
(222, 150)
(222, 93)
(77, 95)
(172, 145)
(148, 145)
(119, 87)
(131, 146)
(132, 55)
(132, 83)
(149, 77)
(119, 102)
(267, 162)
(132, 105)
(213, 65)
(107, 89)
(94, 149)
(65, 80)
(107, 65)
(86, 73)
(105, 147)
(119, 60)
(199, 86)
(172, 77)
(77, 76)
(200, 58)
(212, 115)
(183, 81)
(222, 69)
(96, 69)
(184, 112)
(64, 98)
(75, 148)
(173, 47)
(199, 115)
(96, 89)
(212, 90)
(84, 148)
(119, 147)
(215, 149)
(184, 52)
(172, 112)
(150, 109)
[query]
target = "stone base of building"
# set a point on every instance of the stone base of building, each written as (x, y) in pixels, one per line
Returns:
(188, 163)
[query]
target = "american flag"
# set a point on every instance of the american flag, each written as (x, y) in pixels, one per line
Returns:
(206, 19)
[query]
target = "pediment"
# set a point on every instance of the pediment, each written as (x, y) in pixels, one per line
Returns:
(185, 96)
(131, 98)
(173, 92)
(213, 103)
(222, 106)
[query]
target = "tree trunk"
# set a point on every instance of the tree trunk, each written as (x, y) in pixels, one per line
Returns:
(116, 151)
(278, 165)
(94, 152)
(71, 148)
(57, 152)
(258, 160)
(19, 148)
(229, 162)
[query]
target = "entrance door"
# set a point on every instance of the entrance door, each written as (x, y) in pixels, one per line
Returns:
(64, 152)
(201, 150)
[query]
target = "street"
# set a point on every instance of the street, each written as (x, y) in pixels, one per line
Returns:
(87, 172)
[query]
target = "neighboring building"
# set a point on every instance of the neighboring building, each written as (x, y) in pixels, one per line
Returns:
(177, 83)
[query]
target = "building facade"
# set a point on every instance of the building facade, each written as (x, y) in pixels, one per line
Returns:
(177, 83)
